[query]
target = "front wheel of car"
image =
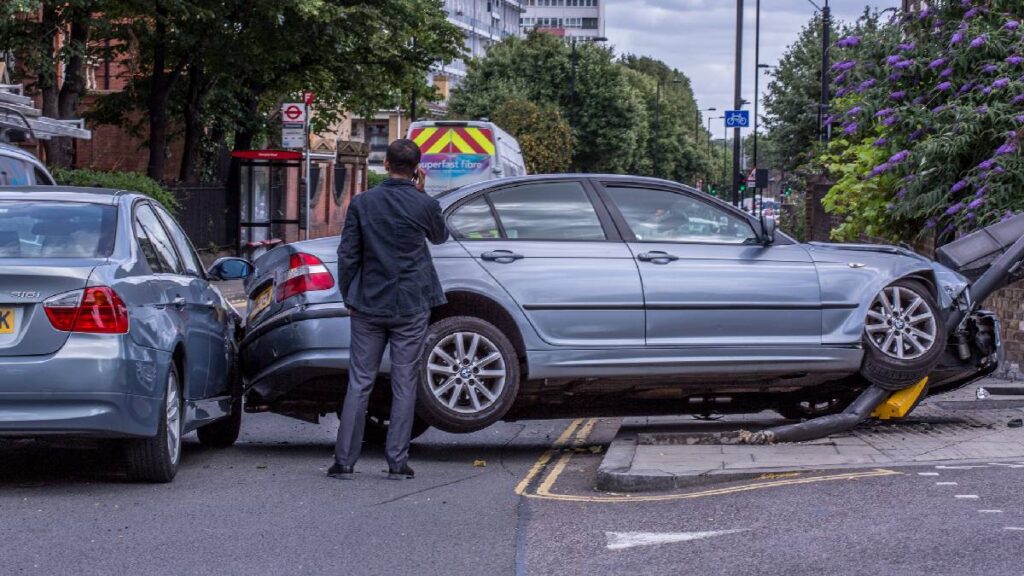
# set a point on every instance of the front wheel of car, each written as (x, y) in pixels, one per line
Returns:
(904, 335)
(470, 375)
(156, 459)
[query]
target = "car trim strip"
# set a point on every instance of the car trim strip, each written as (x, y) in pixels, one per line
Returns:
(695, 306)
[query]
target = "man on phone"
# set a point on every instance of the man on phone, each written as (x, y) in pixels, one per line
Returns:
(389, 285)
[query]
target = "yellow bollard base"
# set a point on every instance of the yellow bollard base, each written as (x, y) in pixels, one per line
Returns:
(900, 403)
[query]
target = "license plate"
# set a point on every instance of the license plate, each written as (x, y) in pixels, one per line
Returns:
(6, 320)
(261, 302)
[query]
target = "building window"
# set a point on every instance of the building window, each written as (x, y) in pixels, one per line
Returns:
(589, 23)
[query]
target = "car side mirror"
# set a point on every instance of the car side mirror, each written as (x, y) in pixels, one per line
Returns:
(768, 227)
(230, 269)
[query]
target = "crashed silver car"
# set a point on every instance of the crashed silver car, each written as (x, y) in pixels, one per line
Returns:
(576, 295)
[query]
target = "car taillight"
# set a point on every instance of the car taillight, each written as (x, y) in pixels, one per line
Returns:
(306, 273)
(96, 310)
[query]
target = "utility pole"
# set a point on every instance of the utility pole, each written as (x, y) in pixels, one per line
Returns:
(826, 32)
(572, 85)
(757, 94)
(738, 103)
(725, 157)
(657, 126)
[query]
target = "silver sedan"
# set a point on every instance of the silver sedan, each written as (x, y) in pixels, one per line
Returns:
(614, 295)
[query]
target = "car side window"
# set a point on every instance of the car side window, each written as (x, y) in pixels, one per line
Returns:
(154, 242)
(474, 221)
(14, 172)
(192, 263)
(665, 216)
(547, 211)
(42, 178)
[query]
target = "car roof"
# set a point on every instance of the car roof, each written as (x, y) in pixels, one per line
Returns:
(451, 196)
(64, 194)
(9, 150)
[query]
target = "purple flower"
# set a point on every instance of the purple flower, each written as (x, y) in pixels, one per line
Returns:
(979, 41)
(899, 157)
(906, 47)
(1001, 83)
(843, 65)
(842, 92)
(869, 83)
(884, 112)
(1009, 148)
(976, 203)
(943, 87)
(965, 88)
(1018, 99)
(880, 169)
(1019, 118)
(954, 208)
(958, 186)
(903, 64)
(936, 63)
(854, 111)
(971, 216)
(897, 95)
(910, 177)
(829, 119)
(841, 78)
(981, 192)
(986, 90)
(956, 39)
(1011, 25)
(919, 100)
(890, 120)
(930, 223)
(880, 142)
(987, 164)
(981, 110)
(902, 193)
(893, 59)
(850, 128)
(895, 77)
(848, 41)
(939, 108)
(989, 68)
(916, 134)
(971, 13)
(946, 73)
(998, 170)
(1015, 59)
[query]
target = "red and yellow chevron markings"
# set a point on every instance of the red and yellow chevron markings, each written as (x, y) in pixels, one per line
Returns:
(454, 140)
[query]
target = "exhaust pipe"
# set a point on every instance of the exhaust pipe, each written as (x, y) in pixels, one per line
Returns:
(822, 426)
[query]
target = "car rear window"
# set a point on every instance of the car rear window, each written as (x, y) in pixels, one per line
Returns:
(56, 230)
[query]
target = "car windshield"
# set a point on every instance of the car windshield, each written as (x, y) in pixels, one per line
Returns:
(56, 230)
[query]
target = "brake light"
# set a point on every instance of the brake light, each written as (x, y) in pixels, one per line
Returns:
(95, 310)
(306, 273)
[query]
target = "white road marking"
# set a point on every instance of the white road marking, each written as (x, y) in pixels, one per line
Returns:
(1007, 465)
(1014, 528)
(945, 483)
(623, 540)
(965, 467)
(927, 473)
(966, 496)
(990, 511)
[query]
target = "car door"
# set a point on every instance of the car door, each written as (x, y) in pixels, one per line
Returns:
(174, 294)
(553, 248)
(707, 280)
(206, 312)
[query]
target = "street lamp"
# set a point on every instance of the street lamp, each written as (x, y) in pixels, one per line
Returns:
(657, 122)
(572, 77)
(826, 30)
(696, 128)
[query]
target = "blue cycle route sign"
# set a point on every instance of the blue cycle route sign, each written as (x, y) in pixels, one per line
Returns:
(737, 118)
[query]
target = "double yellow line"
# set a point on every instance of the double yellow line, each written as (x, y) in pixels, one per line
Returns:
(579, 430)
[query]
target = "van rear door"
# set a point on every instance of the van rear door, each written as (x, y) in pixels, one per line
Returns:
(454, 154)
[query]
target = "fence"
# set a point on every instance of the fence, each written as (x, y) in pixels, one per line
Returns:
(204, 215)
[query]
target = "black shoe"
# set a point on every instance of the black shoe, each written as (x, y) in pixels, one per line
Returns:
(341, 472)
(403, 472)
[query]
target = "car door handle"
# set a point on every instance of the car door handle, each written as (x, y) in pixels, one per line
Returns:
(502, 256)
(178, 302)
(656, 256)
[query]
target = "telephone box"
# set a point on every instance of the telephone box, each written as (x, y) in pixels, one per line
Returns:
(270, 206)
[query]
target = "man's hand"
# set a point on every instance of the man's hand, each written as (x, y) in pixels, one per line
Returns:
(420, 182)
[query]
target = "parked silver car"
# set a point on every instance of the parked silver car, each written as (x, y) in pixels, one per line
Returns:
(614, 295)
(110, 328)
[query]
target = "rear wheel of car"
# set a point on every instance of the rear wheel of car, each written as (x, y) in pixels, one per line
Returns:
(470, 375)
(904, 335)
(224, 432)
(376, 431)
(156, 459)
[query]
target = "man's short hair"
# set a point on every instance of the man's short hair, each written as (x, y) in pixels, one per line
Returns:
(403, 156)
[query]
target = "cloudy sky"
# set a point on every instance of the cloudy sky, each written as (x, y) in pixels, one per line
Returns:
(698, 36)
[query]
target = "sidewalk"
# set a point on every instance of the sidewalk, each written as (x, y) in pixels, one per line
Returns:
(654, 453)
(234, 292)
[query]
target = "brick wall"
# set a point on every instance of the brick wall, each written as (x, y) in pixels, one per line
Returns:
(112, 148)
(1008, 303)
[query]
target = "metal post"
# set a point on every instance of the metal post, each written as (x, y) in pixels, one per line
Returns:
(307, 168)
(657, 127)
(725, 156)
(826, 32)
(572, 85)
(738, 103)
(757, 95)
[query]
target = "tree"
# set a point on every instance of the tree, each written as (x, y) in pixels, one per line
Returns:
(543, 135)
(929, 113)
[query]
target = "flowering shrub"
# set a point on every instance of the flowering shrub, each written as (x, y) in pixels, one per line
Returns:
(928, 120)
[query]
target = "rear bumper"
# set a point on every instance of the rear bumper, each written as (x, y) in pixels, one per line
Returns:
(96, 385)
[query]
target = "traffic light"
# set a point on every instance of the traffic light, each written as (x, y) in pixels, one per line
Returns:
(789, 190)
(713, 192)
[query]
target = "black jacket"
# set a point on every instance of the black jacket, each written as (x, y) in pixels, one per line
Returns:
(384, 265)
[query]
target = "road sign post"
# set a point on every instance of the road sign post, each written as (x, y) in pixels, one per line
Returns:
(295, 132)
(737, 118)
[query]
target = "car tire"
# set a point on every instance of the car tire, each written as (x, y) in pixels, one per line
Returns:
(156, 459)
(376, 430)
(897, 326)
(479, 388)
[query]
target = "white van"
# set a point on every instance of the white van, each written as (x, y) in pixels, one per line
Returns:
(457, 152)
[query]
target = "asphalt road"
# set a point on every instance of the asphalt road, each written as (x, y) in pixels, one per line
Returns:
(265, 507)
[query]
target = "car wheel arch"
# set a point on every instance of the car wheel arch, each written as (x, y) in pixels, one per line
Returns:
(468, 303)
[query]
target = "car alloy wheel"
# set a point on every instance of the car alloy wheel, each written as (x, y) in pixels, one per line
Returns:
(173, 408)
(466, 372)
(901, 324)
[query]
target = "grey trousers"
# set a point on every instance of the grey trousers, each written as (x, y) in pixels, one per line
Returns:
(370, 336)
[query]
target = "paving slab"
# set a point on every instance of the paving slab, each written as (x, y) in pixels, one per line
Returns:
(658, 453)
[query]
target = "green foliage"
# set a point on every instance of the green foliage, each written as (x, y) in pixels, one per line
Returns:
(374, 179)
(793, 218)
(931, 106)
(543, 135)
(132, 181)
